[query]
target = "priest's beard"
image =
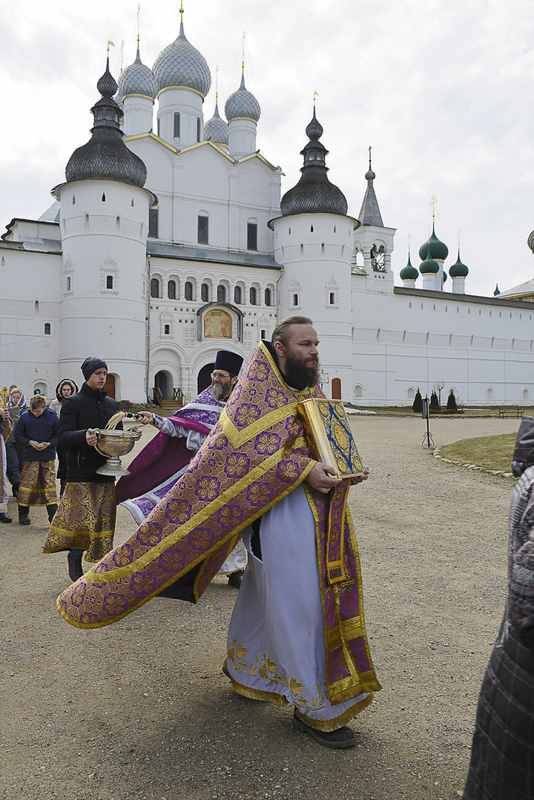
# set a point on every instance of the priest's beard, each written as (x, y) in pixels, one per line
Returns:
(220, 392)
(301, 374)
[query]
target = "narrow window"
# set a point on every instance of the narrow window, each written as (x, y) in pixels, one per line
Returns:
(103, 197)
(109, 281)
(73, 200)
(153, 222)
(68, 283)
(295, 299)
(252, 236)
(268, 297)
(47, 328)
(177, 125)
(253, 296)
(171, 290)
(167, 329)
(332, 298)
(203, 229)
(221, 293)
(198, 129)
(188, 290)
(159, 137)
(154, 287)
(237, 295)
(205, 293)
(263, 334)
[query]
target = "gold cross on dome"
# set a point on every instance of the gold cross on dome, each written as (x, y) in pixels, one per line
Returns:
(433, 201)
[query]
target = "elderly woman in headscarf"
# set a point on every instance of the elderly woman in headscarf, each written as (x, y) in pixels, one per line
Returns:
(64, 389)
(502, 757)
(16, 406)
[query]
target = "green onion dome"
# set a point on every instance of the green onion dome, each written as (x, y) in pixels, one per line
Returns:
(429, 266)
(437, 248)
(409, 272)
(458, 270)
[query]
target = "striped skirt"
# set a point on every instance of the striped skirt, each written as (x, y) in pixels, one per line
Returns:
(85, 520)
(38, 483)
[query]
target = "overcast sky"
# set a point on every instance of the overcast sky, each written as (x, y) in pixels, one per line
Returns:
(441, 89)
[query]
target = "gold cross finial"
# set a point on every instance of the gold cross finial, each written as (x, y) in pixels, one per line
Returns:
(370, 148)
(458, 239)
(433, 201)
(110, 43)
(243, 55)
(181, 13)
(217, 85)
(4, 394)
(315, 94)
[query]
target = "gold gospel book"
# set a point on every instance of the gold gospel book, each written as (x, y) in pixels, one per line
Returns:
(328, 431)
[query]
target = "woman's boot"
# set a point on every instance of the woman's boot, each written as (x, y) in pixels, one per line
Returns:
(74, 559)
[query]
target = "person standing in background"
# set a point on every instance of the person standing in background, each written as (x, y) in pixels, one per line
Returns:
(37, 430)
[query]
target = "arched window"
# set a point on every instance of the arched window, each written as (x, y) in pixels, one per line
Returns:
(177, 125)
(221, 293)
(188, 290)
(153, 223)
(268, 297)
(253, 296)
(109, 281)
(68, 283)
(205, 293)
(154, 287)
(47, 329)
(238, 299)
(171, 290)
(198, 129)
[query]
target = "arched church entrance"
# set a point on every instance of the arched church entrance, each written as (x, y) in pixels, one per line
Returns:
(336, 389)
(204, 377)
(163, 382)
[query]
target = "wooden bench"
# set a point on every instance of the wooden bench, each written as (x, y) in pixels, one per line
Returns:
(510, 411)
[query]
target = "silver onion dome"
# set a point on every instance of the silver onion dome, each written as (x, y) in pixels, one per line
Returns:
(137, 79)
(181, 64)
(216, 129)
(242, 104)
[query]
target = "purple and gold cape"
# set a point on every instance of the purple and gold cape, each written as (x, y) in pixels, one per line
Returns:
(255, 456)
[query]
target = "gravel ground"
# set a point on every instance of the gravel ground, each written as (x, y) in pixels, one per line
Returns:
(141, 709)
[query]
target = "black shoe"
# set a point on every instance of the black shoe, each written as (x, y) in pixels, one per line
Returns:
(74, 560)
(343, 737)
(5, 518)
(15, 490)
(24, 515)
(51, 509)
(236, 578)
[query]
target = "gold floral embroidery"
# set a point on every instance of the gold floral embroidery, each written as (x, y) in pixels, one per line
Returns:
(263, 667)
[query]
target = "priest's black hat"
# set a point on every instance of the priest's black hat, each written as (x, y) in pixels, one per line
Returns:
(229, 362)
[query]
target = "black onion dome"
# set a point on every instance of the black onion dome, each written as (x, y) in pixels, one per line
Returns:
(105, 156)
(314, 193)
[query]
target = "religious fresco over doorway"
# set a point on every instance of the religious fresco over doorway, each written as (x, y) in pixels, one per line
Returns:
(217, 324)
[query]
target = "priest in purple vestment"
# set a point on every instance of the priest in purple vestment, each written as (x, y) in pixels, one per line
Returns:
(161, 463)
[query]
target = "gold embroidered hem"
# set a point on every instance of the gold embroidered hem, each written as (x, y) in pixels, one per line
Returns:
(333, 724)
(38, 483)
(85, 520)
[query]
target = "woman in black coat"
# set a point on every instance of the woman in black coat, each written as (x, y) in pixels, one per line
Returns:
(502, 757)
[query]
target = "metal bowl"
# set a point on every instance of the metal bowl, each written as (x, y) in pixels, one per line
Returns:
(112, 444)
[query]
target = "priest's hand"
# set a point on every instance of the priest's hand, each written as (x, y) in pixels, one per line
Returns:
(360, 478)
(146, 417)
(322, 477)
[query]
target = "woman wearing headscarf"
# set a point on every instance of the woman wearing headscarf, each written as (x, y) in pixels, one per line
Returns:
(64, 389)
(16, 405)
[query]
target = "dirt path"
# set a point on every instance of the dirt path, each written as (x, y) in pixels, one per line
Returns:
(141, 710)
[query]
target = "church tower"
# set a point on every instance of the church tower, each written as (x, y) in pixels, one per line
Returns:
(104, 229)
(373, 242)
(136, 93)
(242, 112)
(313, 242)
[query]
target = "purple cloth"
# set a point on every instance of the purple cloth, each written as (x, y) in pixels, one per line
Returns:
(165, 455)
